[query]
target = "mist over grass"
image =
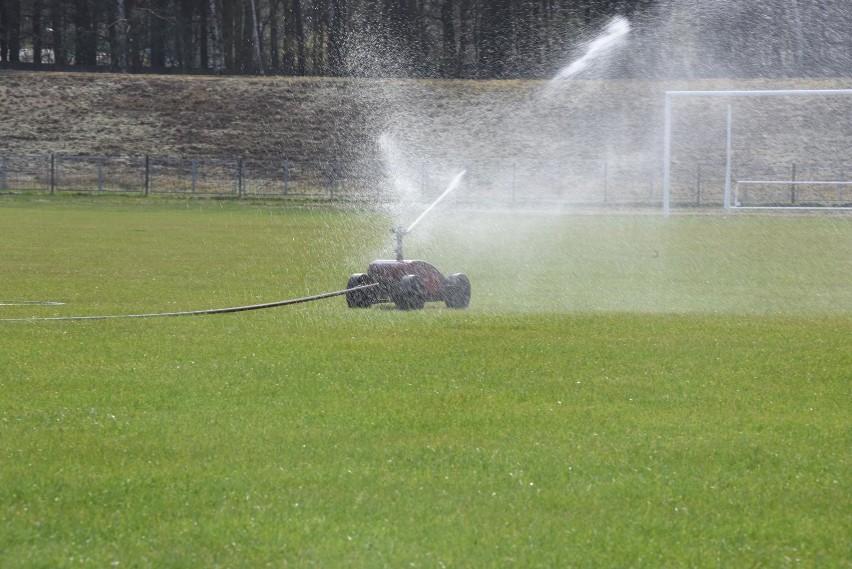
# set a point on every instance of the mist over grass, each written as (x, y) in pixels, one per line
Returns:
(559, 262)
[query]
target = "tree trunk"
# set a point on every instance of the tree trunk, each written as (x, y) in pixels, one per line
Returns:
(120, 36)
(4, 36)
(86, 39)
(318, 37)
(274, 53)
(216, 37)
(449, 55)
(245, 54)
(203, 30)
(136, 36)
(465, 39)
(336, 36)
(300, 37)
(36, 29)
(13, 30)
(185, 36)
(495, 44)
(798, 50)
(228, 40)
(256, 32)
(157, 27)
(57, 23)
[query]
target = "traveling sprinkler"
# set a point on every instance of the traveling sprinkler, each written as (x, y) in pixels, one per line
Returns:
(409, 284)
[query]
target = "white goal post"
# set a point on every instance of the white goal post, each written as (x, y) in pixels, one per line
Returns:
(667, 136)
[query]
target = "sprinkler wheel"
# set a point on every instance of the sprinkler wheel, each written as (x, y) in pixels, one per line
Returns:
(409, 284)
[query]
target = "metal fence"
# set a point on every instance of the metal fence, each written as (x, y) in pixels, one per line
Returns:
(579, 182)
(518, 182)
(783, 184)
(147, 175)
(508, 182)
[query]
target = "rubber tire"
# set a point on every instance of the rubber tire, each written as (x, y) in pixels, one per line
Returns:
(360, 298)
(412, 293)
(457, 291)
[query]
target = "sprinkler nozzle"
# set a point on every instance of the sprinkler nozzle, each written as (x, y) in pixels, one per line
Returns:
(398, 232)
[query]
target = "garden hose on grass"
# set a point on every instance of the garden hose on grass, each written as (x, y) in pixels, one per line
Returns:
(30, 303)
(187, 313)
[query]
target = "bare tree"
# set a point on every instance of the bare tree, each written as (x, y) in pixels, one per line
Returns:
(467, 40)
(496, 36)
(120, 27)
(274, 47)
(4, 33)
(36, 29)
(85, 34)
(157, 34)
(336, 35)
(449, 52)
(57, 23)
(215, 37)
(299, 26)
(10, 31)
(256, 34)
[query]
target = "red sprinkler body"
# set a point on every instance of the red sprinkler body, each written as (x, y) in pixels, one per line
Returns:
(409, 284)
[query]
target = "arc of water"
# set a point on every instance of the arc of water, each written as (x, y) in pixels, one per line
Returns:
(617, 28)
(453, 185)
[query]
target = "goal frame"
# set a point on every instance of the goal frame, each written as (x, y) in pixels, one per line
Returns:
(667, 127)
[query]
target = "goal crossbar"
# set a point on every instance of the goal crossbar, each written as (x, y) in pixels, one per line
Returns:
(667, 136)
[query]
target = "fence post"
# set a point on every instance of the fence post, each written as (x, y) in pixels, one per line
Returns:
(100, 174)
(240, 177)
(52, 174)
(698, 184)
(606, 181)
(514, 180)
(193, 172)
(652, 183)
(329, 179)
(4, 182)
(286, 167)
(147, 175)
(793, 185)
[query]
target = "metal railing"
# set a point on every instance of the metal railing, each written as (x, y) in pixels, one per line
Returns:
(497, 182)
(146, 175)
(519, 182)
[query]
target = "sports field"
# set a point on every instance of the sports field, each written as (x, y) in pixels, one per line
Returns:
(624, 391)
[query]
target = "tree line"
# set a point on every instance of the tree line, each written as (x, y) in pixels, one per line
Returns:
(412, 38)
(430, 38)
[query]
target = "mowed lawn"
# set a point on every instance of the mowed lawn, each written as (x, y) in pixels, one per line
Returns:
(624, 390)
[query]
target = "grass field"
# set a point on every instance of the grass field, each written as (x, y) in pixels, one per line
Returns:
(624, 391)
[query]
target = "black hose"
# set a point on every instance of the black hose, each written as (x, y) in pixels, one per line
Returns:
(30, 303)
(199, 312)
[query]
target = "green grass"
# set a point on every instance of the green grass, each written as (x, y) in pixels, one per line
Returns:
(623, 391)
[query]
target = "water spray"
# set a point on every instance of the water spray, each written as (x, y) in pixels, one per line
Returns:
(399, 232)
(453, 185)
(615, 30)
